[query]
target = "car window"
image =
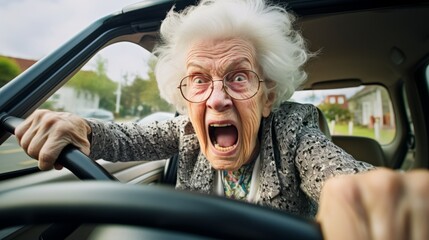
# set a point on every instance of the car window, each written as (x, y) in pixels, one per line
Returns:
(357, 111)
(117, 84)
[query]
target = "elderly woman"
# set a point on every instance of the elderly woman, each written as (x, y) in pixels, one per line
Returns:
(229, 66)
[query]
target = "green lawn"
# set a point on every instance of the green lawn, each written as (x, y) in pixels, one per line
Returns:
(386, 135)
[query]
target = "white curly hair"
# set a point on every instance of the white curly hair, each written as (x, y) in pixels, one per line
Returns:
(280, 50)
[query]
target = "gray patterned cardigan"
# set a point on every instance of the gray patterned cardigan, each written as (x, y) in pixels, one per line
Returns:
(296, 157)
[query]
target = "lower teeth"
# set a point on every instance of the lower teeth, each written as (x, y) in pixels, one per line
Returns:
(223, 149)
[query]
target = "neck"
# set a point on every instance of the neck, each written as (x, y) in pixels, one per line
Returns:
(254, 154)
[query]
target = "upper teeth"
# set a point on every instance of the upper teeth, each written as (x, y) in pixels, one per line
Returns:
(220, 125)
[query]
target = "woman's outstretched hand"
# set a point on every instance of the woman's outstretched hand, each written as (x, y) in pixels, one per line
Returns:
(44, 134)
(380, 204)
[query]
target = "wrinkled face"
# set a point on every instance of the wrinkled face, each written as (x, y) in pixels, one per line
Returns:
(227, 129)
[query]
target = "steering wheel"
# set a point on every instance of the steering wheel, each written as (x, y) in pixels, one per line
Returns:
(156, 207)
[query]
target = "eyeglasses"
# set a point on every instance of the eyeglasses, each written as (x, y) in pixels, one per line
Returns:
(238, 84)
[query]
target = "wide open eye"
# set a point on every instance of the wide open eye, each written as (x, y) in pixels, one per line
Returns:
(242, 84)
(198, 79)
(237, 77)
(196, 87)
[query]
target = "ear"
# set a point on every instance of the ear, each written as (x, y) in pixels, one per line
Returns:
(268, 104)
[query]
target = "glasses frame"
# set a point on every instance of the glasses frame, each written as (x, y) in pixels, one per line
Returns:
(224, 87)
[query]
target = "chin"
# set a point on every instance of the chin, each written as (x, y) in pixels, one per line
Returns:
(225, 165)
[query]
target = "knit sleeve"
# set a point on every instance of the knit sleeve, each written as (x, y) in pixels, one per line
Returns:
(318, 159)
(133, 142)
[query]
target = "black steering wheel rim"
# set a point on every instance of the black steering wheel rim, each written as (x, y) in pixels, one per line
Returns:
(151, 206)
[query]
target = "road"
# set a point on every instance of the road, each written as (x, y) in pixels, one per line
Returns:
(12, 157)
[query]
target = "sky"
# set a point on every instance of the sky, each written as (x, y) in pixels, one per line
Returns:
(32, 29)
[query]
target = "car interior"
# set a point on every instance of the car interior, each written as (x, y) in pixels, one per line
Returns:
(372, 47)
(356, 43)
(354, 145)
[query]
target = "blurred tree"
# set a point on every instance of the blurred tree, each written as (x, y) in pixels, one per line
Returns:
(9, 69)
(132, 95)
(335, 112)
(48, 105)
(96, 83)
(141, 96)
(151, 95)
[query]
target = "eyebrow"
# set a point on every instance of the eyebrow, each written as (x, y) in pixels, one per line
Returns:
(231, 65)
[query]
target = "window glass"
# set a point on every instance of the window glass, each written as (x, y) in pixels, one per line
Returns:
(117, 84)
(12, 157)
(359, 111)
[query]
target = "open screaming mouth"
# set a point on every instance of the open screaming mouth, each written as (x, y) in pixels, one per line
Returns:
(223, 136)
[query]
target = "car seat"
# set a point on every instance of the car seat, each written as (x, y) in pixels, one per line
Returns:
(361, 148)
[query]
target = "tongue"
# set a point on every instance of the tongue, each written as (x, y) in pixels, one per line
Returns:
(225, 136)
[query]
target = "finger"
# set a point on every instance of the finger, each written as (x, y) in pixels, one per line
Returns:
(418, 196)
(27, 129)
(22, 128)
(35, 145)
(41, 134)
(383, 193)
(49, 153)
(26, 138)
(35, 137)
(341, 213)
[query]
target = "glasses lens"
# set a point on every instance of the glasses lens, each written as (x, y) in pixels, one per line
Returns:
(196, 88)
(242, 84)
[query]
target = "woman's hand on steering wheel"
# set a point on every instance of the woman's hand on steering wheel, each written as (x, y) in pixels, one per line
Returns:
(44, 134)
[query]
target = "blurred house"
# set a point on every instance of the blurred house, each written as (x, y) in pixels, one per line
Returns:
(339, 99)
(371, 105)
(23, 64)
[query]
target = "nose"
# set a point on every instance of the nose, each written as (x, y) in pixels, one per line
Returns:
(219, 100)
